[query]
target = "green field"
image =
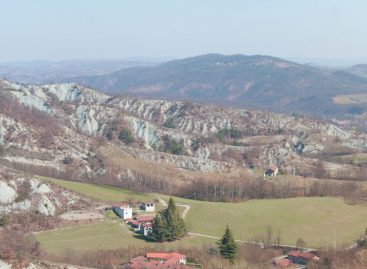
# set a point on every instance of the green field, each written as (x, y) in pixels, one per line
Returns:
(102, 193)
(105, 235)
(316, 220)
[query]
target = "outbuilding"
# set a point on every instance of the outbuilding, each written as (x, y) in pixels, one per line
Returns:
(148, 207)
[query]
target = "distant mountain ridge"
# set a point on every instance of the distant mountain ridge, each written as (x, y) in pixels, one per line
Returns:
(359, 69)
(44, 71)
(261, 82)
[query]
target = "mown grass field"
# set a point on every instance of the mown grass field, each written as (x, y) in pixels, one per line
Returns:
(316, 220)
(104, 235)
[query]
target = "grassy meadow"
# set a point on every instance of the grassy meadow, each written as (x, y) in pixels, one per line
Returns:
(103, 235)
(317, 220)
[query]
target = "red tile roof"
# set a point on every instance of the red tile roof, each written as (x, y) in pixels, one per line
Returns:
(145, 218)
(134, 222)
(158, 261)
(305, 255)
(165, 256)
(283, 263)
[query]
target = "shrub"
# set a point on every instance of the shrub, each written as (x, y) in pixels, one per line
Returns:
(24, 192)
(225, 134)
(67, 160)
(126, 136)
(169, 124)
(2, 150)
(4, 220)
(170, 145)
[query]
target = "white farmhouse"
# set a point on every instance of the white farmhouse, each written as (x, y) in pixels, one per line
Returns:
(127, 212)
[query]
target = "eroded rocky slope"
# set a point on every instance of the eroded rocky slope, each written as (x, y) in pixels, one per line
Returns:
(76, 120)
(20, 193)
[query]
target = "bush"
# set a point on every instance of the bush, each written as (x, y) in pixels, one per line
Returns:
(24, 192)
(225, 134)
(169, 124)
(2, 150)
(126, 136)
(67, 160)
(4, 220)
(172, 146)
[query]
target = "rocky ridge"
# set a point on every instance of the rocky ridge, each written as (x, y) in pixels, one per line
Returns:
(20, 193)
(84, 115)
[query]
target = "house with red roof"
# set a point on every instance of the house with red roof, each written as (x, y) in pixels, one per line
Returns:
(146, 229)
(170, 260)
(283, 263)
(295, 259)
(301, 257)
(145, 218)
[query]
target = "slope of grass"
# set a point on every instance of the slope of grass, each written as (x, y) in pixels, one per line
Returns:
(105, 235)
(317, 220)
(102, 193)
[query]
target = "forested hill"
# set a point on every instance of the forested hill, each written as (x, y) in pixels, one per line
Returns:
(261, 82)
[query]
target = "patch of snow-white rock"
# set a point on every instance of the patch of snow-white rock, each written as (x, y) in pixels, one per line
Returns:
(42, 197)
(69, 92)
(46, 207)
(89, 120)
(7, 194)
(4, 265)
(25, 97)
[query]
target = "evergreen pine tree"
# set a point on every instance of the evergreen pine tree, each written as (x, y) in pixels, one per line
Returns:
(159, 228)
(227, 245)
(175, 224)
(168, 224)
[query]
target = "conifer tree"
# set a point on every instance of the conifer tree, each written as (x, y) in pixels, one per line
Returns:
(159, 229)
(227, 245)
(168, 224)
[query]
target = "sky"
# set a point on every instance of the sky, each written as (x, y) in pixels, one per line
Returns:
(160, 29)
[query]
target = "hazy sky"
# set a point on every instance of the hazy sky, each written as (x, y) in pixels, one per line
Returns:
(65, 29)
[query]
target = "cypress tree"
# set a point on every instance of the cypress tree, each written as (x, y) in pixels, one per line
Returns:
(227, 245)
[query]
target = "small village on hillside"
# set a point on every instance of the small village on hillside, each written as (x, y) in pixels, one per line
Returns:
(140, 217)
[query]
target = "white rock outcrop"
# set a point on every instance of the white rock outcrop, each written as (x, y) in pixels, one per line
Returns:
(46, 207)
(7, 194)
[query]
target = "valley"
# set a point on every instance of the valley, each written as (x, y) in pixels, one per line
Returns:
(83, 151)
(183, 134)
(315, 217)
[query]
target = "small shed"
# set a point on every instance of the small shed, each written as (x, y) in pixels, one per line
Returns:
(148, 206)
